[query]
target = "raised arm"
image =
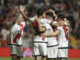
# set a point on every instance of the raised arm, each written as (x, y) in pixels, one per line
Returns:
(22, 12)
(54, 23)
(54, 14)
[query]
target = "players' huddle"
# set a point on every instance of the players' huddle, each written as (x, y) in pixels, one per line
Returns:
(51, 36)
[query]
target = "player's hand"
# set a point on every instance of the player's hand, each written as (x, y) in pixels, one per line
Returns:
(44, 34)
(21, 8)
(52, 12)
(55, 24)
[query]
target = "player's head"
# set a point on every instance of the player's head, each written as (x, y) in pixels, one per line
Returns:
(49, 15)
(40, 12)
(31, 11)
(19, 18)
(52, 8)
(61, 18)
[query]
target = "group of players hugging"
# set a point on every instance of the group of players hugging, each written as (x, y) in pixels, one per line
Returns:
(51, 36)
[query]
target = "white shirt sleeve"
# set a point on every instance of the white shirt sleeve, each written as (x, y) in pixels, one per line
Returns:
(32, 19)
(24, 24)
(48, 21)
(54, 22)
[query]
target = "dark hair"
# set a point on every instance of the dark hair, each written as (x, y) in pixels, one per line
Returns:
(50, 14)
(61, 16)
(52, 8)
(40, 11)
(31, 11)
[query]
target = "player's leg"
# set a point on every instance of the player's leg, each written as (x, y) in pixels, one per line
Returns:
(55, 59)
(13, 51)
(43, 50)
(19, 52)
(18, 58)
(66, 54)
(14, 57)
(37, 57)
(63, 54)
(50, 59)
(63, 59)
(52, 52)
(44, 58)
(35, 51)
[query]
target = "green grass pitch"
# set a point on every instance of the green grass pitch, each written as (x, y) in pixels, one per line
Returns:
(6, 58)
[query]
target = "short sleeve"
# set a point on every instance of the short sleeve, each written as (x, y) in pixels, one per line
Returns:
(54, 22)
(32, 19)
(48, 21)
(24, 24)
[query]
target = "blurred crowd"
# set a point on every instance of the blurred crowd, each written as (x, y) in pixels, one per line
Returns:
(9, 8)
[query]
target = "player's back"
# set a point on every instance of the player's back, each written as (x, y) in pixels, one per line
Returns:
(49, 29)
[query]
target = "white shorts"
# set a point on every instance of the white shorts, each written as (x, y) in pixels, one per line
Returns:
(52, 51)
(39, 49)
(63, 53)
(63, 49)
(64, 44)
(16, 50)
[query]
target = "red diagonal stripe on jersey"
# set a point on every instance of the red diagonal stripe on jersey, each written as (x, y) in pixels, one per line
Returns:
(65, 30)
(43, 38)
(17, 37)
(19, 34)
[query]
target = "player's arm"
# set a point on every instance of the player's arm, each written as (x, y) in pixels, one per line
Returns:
(9, 38)
(53, 12)
(41, 29)
(51, 34)
(26, 18)
(22, 12)
(54, 23)
(12, 30)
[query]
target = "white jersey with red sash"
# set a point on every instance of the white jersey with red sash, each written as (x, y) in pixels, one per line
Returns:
(63, 42)
(66, 30)
(16, 33)
(62, 37)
